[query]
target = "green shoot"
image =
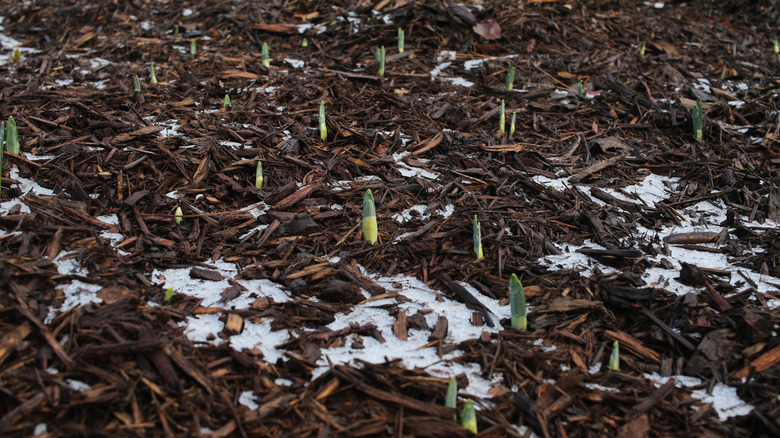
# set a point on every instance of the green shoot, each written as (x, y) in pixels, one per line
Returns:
(517, 304)
(17, 56)
(510, 78)
(305, 42)
(323, 123)
(614, 358)
(193, 47)
(580, 88)
(502, 119)
(152, 74)
(178, 216)
(266, 59)
(774, 43)
(452, 395)
(477, 234)
(400, 40)
(226, 103)
(468, 417)
(11, 136)
(723, 73)
(176, 30)
(642, 49)
(512, 124)
(168, 295)
(698, 120)
(136, 84)
(2, 137)
(259, 175)
(370, 233)
(382, 61)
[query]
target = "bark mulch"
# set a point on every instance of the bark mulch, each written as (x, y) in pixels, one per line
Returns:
(113, 150)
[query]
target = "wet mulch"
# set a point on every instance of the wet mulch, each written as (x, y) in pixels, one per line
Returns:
(104, 149)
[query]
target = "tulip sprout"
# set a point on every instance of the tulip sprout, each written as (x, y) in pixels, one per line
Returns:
(510, 78)
(774, 43)
(512, 124)
(259, 175)
(193, 47)
(642, 49)
(580, 89)
(370, 233)
(381, 53)
(178, 216)
(517, 304)
(468, 417)
(452, 396)
(477, 236)
(698, 120)
(400, 40)
(323, 123)
(168, 295)
(502, 118)
(305, 42)
(136, 84)
(2, 137)
(152, 74)
(11, 136)
(226, 103)
(266, 59)
(17, 56)
(614, 358)
(723, 73)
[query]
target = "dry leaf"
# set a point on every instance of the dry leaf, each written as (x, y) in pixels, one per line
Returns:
(488, 29)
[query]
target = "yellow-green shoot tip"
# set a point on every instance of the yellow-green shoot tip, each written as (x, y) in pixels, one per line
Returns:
(517, 307)
(468, 417)
(370, 229)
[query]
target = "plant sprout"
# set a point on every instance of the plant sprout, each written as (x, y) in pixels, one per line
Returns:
(370, 234)
(178, 216)
(323, 123)
(226, 103)
(468, 417)
(477, 235)
(382, 61)
(510, 78)
(517, 304)
(193, 47)
(513, 123)
(152, 74)
(2, 136)
(176, 30)
(502, 118)
(723, 73)
(17, 56)
(168, 295)
(614, 358)
(580, 88)
(259, 175)
(774, 43)
(136, 84)
(305, 42)
(642, 49)
(11, 136)
(400, 40)
(698, 120)
(452, 394)
(266, 59)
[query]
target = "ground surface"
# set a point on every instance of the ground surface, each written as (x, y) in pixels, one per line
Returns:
(597, 202)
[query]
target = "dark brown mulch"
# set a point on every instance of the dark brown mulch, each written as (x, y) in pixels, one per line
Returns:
(112, 156)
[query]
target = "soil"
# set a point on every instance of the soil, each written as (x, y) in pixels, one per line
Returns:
(104, 149)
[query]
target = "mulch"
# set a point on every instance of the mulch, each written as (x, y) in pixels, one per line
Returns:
(110, 154)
